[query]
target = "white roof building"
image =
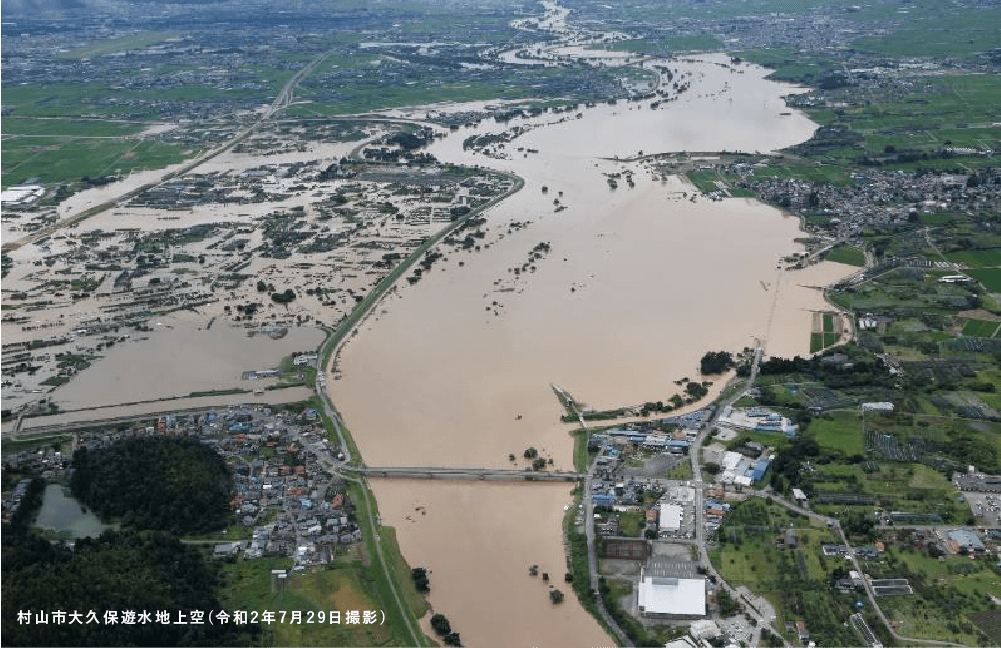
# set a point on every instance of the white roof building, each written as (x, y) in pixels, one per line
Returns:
(672, 597)
(704, 629)
(670, 517)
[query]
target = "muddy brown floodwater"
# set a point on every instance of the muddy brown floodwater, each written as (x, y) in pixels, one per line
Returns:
(482, 580)
(637, 285)
(178, 357)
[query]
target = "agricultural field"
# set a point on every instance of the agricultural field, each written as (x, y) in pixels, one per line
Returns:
(68, 127)
(980, 328)
(976, 258)
(342, 586)
(806, 170)
(904, 290)
(939, 32)
(990, 277)
(990, 624)
(947, 593)
(938, 438)
(796, 580)
(55, 160)
(839, 431)
(824, 332)
(125, 43)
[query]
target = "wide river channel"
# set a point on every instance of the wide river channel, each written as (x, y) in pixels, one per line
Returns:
(637, 284)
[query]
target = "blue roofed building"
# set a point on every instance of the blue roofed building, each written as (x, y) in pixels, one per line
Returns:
(758, 469)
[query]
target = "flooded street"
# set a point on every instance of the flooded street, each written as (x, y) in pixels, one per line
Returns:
(635, 286)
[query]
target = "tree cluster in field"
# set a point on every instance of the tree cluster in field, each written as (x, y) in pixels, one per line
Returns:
(443, 629)
(867, 371)
(176, 485)
(119, 571)
(283, 297)
(421, 579)
(727, 604)
(410, 141)
(785, 468)
(697, 391)
(771, 639)
(538, 463)
(716, 362)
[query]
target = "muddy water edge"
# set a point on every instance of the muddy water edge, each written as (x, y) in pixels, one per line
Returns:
(635, 284)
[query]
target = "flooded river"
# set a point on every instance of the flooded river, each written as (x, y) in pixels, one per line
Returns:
(638, 283)
(481, 583)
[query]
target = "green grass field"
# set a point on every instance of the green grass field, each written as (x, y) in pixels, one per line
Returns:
(340, 587)
(847, 255)
(990, 277)
(932, 30)
(631, 523)
(842, 433)
(400, 571)
(55, 160)
(980, 328)
(816, 342)
(121, 44)
(977, 258)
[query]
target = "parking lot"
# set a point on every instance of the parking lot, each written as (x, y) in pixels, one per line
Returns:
(986, 507)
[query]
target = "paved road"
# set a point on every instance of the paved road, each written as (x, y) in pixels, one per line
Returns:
(592, 560)
(700, 529)
(324, 396)
(371, 530)
(858, 567)
(875, 606)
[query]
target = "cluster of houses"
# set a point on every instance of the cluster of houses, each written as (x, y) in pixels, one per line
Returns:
(883, 197)
(12, 500)
(290, 503)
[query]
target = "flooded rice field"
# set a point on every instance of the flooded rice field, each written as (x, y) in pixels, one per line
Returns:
(181, 355)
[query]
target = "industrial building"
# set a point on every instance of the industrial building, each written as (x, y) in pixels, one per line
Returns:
(671, 598)
(965, 539)
(671, 516)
